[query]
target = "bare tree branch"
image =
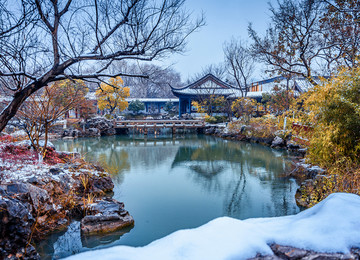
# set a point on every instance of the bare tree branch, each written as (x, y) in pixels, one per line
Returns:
(81, 39)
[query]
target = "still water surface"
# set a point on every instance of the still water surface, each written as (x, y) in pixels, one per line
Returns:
(176, 183)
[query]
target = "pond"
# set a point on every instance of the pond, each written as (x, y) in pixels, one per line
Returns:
(171, 183)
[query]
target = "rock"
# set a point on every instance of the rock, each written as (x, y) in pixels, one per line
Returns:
(302, 151)
(288, 252)
(243, 128)
(35, 195)
(92, 132)
(291, 145)
(110, 131)
(267, 257)
(210, 130)
(10, 129)
(69, 155)
(292, 253)
(33, 180)
(15, 229)
(313, 171)
(187, 116)
(278, 142)
(55, 170)
(107, 207)
(102, 184)
(309, 171)
(72, 132)
(103, 224)
(265, 141)
(100, 123)
(68, 138)
(225, 131)
(99, 126)
(105, 216)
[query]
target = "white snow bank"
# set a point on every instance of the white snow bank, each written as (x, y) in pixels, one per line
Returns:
(333, 225)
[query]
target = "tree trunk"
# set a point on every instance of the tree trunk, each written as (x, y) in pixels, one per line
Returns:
(10, 110)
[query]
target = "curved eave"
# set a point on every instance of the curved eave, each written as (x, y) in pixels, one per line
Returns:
(211, 77)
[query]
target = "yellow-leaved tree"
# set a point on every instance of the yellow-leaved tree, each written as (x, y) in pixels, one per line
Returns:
(334, 112)
(331, 110)
(244, 107)
(112, 95)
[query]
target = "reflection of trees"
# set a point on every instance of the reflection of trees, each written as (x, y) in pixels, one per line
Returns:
(261, 160)
(115, 163)
(237, 189)
(118, 153)
(245, 175)
(210, 159)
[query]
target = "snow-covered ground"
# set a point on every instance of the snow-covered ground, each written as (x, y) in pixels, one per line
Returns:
(331, 226)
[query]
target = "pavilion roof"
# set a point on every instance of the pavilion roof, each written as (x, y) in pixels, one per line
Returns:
(207, 85)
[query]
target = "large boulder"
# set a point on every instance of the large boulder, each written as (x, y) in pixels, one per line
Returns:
(109, 131)
(99, 123)
(47, 211)
(92, 132)
(15, 228)
(72, 133)
(27, 192)
(278, 142)
(105, 216)
(104, 126)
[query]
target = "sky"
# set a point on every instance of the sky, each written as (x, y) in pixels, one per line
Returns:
(224, 20)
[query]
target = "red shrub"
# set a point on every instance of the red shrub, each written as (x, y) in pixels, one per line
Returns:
(6, 138)
(52, 157)
(18, 154)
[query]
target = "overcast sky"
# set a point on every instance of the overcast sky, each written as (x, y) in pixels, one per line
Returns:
(224, 19)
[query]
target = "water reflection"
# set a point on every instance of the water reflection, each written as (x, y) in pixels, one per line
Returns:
(169, 183)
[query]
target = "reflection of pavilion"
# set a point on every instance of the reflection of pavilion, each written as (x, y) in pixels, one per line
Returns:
(199, 160)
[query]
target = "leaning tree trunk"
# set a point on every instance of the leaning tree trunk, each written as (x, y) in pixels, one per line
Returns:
(10, 110)
(19, 98)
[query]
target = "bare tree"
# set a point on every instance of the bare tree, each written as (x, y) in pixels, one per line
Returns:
(341, 21)
(13, 22)
(239, 64)
(40, 112)
(294, 43)
(218, 70)
(158, 83)
(65, 38)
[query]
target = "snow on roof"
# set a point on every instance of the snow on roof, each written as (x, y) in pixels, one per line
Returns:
(330, 226)
(207, 85)
(210, 85)
(153, 99)
(92, 96)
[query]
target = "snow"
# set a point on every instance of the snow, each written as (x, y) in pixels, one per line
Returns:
(27, 168)
(330, 226)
